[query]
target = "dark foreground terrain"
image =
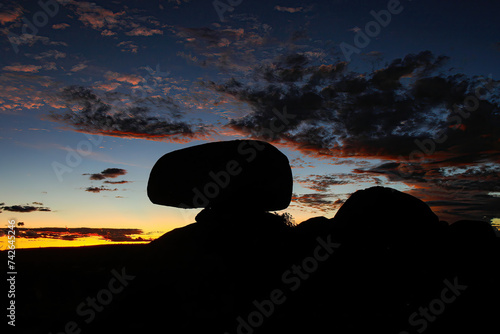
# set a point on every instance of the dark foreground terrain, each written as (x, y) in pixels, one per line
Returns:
(383, 264)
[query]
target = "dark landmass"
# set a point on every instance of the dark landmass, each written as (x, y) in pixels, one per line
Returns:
(384, 264)
(209, 275)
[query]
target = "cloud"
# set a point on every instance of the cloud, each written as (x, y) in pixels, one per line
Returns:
(11, 15)
(128, 78)
(107, 173)
(25, 208)
(113, 172)
(110, 234)
(22, 68)
(30, 40)
(110, 22)
(332, 111)
(108, 33)
(318, 201)
(226, 48)
(47, 54)
(99, 189)
(290, 9)
(78, 67)
(60, 26)
(95, 16)
(117, 182)
(410, 113)
(128, 46)
(94, 115)
(452, 192)
(143, 31)
(108, 86)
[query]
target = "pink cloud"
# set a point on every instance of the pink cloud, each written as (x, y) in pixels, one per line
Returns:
(143, 31)
(61, 26)
(10, 16)
(108, 33)
(108, 86)
(22, 68)
(289, 9)
(129, 78)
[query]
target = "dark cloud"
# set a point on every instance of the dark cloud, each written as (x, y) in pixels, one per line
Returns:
(106, 114)
(117, 182)
(337, 112)
(113, 172)
(224, 47)
(99, 189)
(107, 173)
(24, 208)
(416, 114)
(111, 234)
(318, 201)
(453, 192)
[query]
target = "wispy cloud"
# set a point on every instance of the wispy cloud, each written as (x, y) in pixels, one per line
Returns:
(128, 46)
(143, 31)
(108, 173)
(78, 67)
(47, 54)
(60, 26)
(290, 9)
(22, 68)
(26, 208)
(111, 234)
(99, 189)
(11, 15)
(91, 113)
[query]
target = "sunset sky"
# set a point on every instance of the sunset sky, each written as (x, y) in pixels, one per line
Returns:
(400, 94)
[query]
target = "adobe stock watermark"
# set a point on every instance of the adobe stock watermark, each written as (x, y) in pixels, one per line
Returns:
(221, 7)
(371, 29)
(248, 152)
(74, 156)
(293, 279)
(40, 19)
(93, 305)
(420, 319)
(428, 146)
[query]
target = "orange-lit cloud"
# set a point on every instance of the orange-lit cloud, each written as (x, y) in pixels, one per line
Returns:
(60, 26)
(109, 86)
(143, 31)
(22, 68)
(9, 16)
(128, 78)
(289, 9)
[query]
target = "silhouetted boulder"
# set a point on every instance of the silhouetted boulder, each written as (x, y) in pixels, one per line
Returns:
(231, 175)
(387, 214)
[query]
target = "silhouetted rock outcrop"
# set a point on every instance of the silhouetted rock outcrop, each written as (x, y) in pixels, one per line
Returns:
(386, 214)
(384, 263)
(230, 175)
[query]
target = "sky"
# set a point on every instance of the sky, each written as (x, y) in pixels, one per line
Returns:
(403, 94)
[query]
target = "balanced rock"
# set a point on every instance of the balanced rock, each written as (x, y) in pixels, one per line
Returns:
(231, 175)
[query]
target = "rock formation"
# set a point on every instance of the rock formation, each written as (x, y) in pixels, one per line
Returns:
(231, 175)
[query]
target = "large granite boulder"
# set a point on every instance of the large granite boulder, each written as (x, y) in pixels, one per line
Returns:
(381, 213)
(231, 175)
